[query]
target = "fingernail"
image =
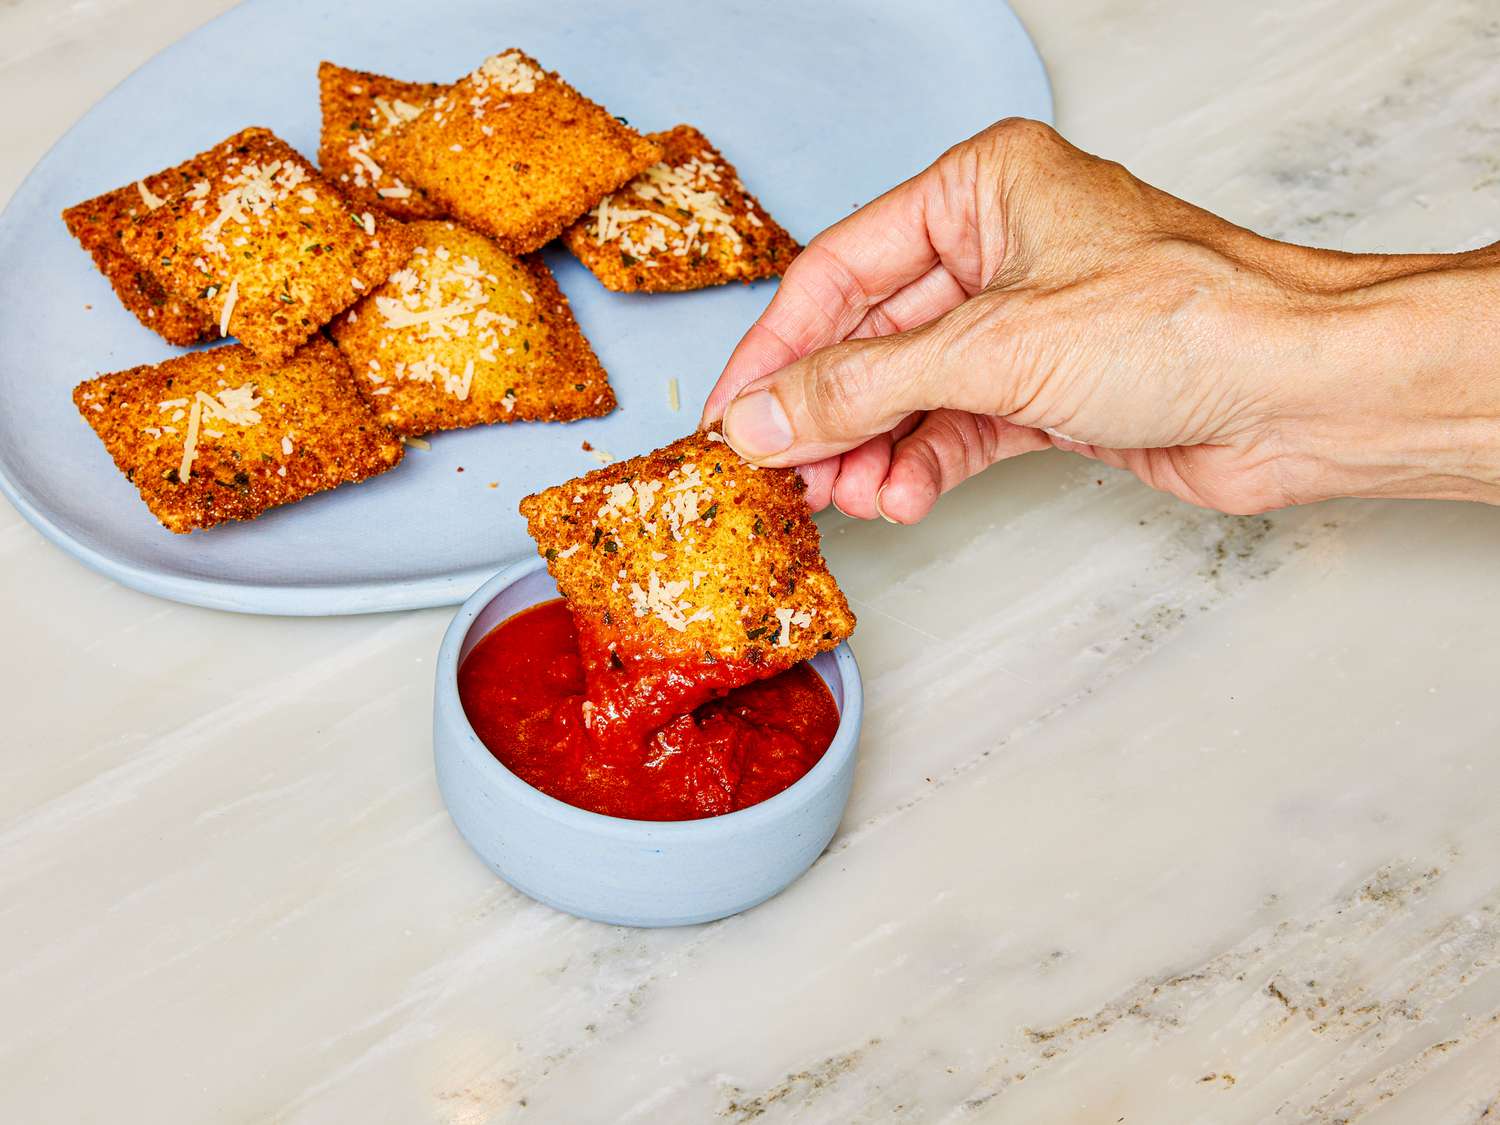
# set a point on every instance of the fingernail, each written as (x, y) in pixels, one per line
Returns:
(879, 507)
(756, 426)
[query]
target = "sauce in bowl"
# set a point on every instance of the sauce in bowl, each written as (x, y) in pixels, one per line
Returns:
(523, 690)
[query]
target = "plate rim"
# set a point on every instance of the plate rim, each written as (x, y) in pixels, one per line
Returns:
(332, 599)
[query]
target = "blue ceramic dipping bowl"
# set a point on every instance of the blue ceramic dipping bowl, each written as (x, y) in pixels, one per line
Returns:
(629, 872)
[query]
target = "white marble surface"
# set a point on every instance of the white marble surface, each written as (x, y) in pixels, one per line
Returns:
(1161, 816)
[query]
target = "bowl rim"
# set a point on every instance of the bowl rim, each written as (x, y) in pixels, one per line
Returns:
(842, 747)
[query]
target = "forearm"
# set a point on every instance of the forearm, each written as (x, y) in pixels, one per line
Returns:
(1403, 398)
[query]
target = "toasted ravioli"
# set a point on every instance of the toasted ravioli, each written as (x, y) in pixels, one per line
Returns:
(467, 334)
(686, 222)
(515, 152)
(359, 111)
(689, 572)
(266, 245)
(221, 435)
(99, 224)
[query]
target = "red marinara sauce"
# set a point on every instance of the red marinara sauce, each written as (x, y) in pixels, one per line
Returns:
(522, 688)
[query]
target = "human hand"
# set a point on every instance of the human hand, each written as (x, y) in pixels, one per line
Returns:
(1020, 294)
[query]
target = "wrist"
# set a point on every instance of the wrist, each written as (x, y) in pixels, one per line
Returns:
(1398, 390)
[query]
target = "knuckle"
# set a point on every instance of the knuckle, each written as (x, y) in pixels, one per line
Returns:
(837, 383)
(954, 447)
(924, 448)
(1024, 136)
(1026, 130)
(988, 429)
(1008, 140)
(969, 437)
(977, 353)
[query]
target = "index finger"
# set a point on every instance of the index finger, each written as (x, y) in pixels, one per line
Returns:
(830, 287)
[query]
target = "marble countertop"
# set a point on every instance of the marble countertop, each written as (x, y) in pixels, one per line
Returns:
(1161, 816)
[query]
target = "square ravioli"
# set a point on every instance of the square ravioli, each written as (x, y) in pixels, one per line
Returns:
(515, 152)
(689, 573)
(686, 222)
(359, 111)
(466, 334)
(220, 435)
(265, 244)
(99, 225)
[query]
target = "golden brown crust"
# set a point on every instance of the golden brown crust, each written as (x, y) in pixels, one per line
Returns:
(515, 152)
(465, 335)
(712, 230)
(263, 228)
(301, 428)
(689, 553)
(359, 111)
(99, 225)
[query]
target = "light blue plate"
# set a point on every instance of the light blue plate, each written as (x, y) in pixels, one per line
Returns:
(820, 105)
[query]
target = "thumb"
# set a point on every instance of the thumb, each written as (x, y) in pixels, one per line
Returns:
(829, 401)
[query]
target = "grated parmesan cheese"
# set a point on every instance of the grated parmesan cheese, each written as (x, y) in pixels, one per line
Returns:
(253, 191)
(786, 619)
(663, 600)
(151, 200)
(228, 310)
(508, 72)
(441, 296)
(235, 405)
(688, 189)
(359, 152)
(396, 112)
